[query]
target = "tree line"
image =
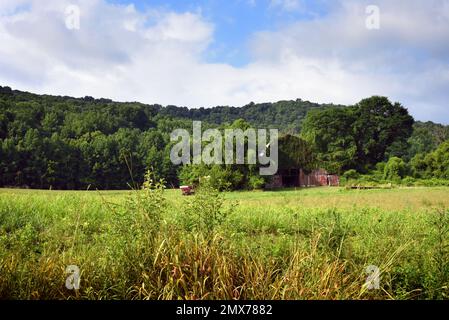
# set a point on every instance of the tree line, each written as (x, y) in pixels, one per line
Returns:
(79, 143)
(379, 141)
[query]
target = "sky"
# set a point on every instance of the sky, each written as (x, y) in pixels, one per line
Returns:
(206, 53)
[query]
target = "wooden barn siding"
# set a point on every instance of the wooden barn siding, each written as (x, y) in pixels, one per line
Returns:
(317, 178)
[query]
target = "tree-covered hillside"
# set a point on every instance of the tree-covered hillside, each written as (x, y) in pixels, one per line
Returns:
(64, 142)
(75, 143)
(283, 115)
(426, 137)
(286, 116)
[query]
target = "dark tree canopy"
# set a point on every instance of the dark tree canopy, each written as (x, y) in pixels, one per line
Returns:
(359, 136)
(295, 153)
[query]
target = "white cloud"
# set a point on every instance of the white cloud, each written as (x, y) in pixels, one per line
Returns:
(288, 5)
(407, 59)
(157, 56)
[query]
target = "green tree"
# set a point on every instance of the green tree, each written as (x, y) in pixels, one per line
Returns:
(295, 153)
(330, 133)
(437, 162)
(395, 169)
(358, 137)
(379, 125)
(426, 137)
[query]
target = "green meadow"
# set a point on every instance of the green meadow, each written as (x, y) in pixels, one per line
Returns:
(315, 243)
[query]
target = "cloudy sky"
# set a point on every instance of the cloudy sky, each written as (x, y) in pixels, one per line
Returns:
(216, 52)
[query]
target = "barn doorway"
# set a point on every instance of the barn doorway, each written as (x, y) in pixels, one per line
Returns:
(290, 178)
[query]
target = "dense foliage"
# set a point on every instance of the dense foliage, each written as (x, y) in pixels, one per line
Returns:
(426, 137)
(432, 165)
(285, 115)
(69, 143)
(79, 143)
(358, 137)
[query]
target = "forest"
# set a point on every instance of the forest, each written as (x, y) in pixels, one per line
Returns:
(54, 142)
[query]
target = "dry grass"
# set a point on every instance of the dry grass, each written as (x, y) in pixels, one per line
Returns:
(304, 244)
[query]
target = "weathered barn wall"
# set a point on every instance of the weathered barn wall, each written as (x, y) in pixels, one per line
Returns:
(334, 180)
(317, 178)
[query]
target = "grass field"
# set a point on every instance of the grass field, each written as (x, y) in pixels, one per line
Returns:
(291, 244)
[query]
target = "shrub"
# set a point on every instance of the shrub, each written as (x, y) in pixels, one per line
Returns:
(395, 169)
(408, 181)
(351, 175)
(256, 182)
(220, 178)
(380, 167)
(205, 211)
(144, 210)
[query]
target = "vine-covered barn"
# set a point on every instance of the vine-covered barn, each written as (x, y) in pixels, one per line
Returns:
(297, 166)
(299, 178)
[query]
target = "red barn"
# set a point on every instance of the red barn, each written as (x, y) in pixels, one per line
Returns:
(298, 178)
(296, 160)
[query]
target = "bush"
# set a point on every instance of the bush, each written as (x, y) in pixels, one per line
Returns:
(220, 178)
(408, 181)
(256, 182)
(144, 212)
(434, 164)
(380, 167)
(395, 169)
(351, 175)
(205, 211)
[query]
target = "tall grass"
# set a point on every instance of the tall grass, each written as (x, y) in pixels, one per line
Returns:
(154, 244)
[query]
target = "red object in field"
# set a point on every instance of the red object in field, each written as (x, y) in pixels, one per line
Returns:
(187, 190)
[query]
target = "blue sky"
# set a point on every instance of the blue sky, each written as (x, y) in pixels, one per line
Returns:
(206, 53)
(237, 20)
